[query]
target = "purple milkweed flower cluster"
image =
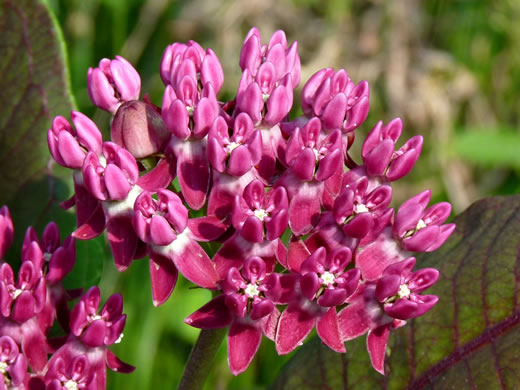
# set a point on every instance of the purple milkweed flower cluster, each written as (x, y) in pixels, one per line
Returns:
(254, 174)
(31, 303)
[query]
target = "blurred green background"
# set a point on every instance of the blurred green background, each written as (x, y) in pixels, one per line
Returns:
(449, 68)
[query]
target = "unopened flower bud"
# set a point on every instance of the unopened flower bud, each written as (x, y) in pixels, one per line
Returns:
(139, 128)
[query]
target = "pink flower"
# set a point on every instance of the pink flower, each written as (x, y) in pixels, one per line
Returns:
(91, 335)
(323, 283)
(257, 215)
(247, 306)
(172, 239)
(68, 145)
(386, 304)
(112, 83)
(379, 154)
(237, 154)
(336, 100)
(74, 374)
(420, 229)
(190, 59)
(13, 365)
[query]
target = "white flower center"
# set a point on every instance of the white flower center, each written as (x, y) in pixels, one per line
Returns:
(265, 97)
(47, 256)
(316, 154)
(71, 385)
(3, 367)
(251, 290)
(328, 278)
(420, 225)
(404, 291)
(261, 214)
(95, 317)
(360, 208)
(119, 338)
(16, 293)
(232, 146)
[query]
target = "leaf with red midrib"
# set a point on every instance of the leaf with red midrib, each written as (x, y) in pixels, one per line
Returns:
(470, 340)
(33, 89)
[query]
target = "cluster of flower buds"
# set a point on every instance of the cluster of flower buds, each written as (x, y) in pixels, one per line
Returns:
(31, 303)
(345, 262)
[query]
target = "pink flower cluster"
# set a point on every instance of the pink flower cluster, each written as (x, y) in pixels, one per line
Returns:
(31, 303)
(345, 265)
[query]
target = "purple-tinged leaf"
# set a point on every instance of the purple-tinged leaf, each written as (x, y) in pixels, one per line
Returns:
(469, 340)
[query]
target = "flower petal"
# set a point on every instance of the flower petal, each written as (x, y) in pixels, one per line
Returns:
(243, 342)
(294, 326)
(213, 315)
(328, 330)
(377, 340)
(163, 275)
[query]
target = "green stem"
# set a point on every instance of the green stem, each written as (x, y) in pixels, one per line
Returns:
(201, 359)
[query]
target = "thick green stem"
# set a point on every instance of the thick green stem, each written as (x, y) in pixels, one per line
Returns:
(201, 359)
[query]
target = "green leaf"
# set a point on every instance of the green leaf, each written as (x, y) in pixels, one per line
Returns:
(34, 88)
(470, 340)
(90, 259)
(499, 147)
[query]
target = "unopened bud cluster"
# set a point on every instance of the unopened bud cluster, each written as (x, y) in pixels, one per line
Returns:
(347, 266)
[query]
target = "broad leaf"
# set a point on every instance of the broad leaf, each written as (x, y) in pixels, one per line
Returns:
(497, 147)
(33, 89)
(470, 340)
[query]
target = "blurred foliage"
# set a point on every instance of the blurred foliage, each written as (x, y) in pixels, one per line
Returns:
(447, 67)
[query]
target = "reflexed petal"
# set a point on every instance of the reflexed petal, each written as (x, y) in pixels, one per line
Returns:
(214, 314)
(304, 209)
(328, 330)
(293, 327)
(377, 340)
(163, 275)
(193, 173)
(243, 342)
(123, 241)
(193, 263)
(116, 364)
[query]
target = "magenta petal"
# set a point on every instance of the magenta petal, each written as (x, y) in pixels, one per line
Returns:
(207, 228)
(328, 330)
(239, 161)
(402, 309)
(94, 335)
(24, 307)
(163, 275)
(123, 241)
(297, 254)
(360, 226)
(387, 286)
(243, 342)
(310, 284)
(293, 327)
(269, 324)
(304, 208)
(193, 173)
(193, 263)
(333, 297)
(161, 232)
(214, 314)
(34, 346)
(377, 340)
(116, 364)
(352, 321)
(303, 165)
(252, 229)
(93, 226)
(159, 177)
